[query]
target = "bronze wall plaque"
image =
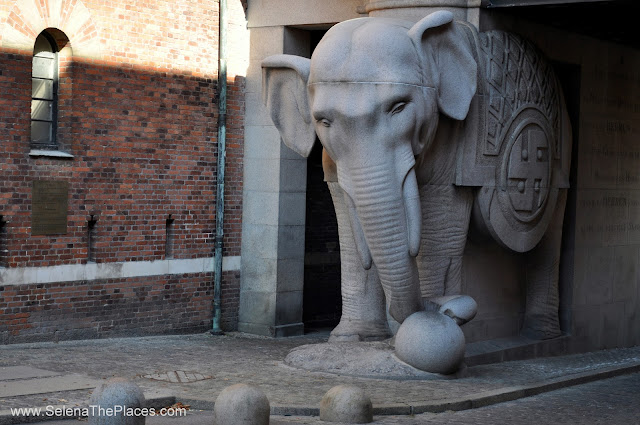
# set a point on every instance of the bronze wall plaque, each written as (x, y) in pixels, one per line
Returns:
(49, 207)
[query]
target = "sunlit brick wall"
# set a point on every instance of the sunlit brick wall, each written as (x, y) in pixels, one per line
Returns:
(138, 112)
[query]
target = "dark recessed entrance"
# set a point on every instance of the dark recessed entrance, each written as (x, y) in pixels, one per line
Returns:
(322, 303)
(569, 76)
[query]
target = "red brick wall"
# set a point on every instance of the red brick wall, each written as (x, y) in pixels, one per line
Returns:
(141, 306)
(110, 308)
(137, 109)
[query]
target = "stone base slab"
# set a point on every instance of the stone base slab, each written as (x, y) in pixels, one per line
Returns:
(362, 359)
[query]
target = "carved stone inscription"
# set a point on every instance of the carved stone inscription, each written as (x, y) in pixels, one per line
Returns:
(608, 205)
(49, 207)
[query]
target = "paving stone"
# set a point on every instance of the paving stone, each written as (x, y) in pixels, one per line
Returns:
(46, 385)
(178, 376)
(237, 358)
(24, 372)
(610, 401)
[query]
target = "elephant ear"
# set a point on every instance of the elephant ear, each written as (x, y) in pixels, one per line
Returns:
(450, 66)
(284, 92)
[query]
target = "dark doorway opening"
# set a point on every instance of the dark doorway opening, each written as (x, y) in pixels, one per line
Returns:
(569, 77)
(322, 302)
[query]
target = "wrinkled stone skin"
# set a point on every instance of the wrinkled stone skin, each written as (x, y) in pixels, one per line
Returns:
(398, 107)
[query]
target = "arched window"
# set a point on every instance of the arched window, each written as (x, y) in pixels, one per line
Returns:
(44, 93)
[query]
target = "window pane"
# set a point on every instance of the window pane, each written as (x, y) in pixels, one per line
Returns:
(42, 46)
(42, 89)
(41, 110)
(40, 132)
(43, 67)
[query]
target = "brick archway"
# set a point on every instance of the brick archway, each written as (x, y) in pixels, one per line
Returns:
(28, 18)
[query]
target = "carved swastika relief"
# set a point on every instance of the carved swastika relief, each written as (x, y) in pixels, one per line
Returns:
(528, 171)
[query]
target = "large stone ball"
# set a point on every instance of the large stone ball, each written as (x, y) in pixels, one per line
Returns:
(346, 404)
(241, 404)
(111, 398)
(430, 341)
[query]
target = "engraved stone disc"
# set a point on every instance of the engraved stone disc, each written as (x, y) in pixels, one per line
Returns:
(518, 210)
(525, 174)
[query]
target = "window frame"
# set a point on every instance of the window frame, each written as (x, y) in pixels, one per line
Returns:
(52, 143)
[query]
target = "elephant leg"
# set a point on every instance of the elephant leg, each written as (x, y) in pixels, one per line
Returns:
(363, 303)
(541, 320)
(446, 211)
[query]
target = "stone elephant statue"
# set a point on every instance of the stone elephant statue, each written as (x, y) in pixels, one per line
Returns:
(429, 128)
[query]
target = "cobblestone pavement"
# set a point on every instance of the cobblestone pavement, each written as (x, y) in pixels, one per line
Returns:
(611, 401)
(238, 358)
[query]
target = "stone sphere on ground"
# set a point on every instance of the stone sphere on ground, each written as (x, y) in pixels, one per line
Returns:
(346, 404)
(430, 341)
(109, 400)
(241, 404)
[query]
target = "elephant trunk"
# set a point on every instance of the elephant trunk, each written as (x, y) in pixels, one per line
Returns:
(385, 218)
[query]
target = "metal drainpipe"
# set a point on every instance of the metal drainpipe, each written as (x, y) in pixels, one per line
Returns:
(222, 153)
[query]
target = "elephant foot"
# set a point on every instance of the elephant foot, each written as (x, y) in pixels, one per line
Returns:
(358, 330)
(461, 308)
(537, 329)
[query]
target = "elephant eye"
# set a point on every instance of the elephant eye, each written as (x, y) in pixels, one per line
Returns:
(398, 107)
(324, 122)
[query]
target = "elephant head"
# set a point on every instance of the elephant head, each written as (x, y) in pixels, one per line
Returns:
(372, 92)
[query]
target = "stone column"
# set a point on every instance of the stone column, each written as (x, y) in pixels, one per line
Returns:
(414, 10)
(273, 204)
(273, 220)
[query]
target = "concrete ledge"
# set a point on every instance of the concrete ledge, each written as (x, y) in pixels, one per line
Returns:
(454, 404)
(392, 409)
(515, 348)
(395, 4)
(260, 329)
(50, 154)
(16, 276)
(501, 395)
(278, 331)
(293, 329)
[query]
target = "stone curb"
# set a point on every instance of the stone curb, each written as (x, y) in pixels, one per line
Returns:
(485, 398)
(6, 418)
(501, 395)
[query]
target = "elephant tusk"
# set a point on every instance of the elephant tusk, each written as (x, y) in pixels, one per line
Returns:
(358, 234)
(413, 212)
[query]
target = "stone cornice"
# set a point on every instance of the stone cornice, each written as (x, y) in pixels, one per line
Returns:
(397, 4)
